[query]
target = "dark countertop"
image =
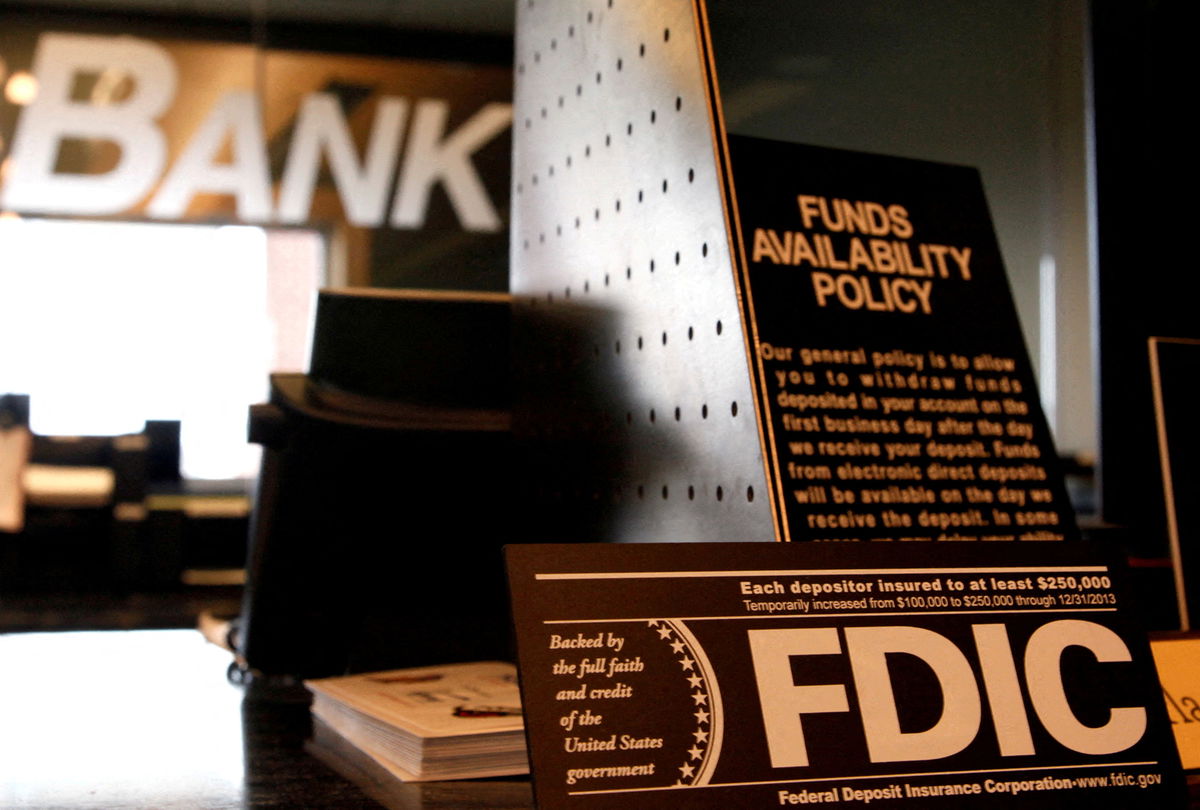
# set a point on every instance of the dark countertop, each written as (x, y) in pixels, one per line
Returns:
(147, 719)
(130, 720)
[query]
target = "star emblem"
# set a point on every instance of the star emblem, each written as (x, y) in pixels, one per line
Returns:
(687, 770)
(701, 735)
(700, 698)
(677, 645)
(686, 662)
(695, 681)
(696, 752)
(664, 632)
(701, 716)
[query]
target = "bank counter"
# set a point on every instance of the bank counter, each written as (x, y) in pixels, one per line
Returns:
(147, 719)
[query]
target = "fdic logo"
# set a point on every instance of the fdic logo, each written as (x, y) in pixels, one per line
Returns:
(784, 703)
(320, 129)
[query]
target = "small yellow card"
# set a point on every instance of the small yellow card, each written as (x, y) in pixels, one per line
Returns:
(1178, 662)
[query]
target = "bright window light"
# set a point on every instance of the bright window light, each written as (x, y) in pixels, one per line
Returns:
(106, 325)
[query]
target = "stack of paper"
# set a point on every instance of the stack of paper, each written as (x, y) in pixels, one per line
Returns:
(458, 721)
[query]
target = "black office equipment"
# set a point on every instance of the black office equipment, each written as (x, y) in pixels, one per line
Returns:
(380, 513)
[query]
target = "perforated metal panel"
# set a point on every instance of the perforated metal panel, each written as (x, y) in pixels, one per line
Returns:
(636, 396)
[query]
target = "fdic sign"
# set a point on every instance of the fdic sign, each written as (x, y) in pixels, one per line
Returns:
(875, 674)
(171, 130)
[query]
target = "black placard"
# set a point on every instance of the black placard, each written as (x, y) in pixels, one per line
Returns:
(1174, 365)
(896, 395)
(767, 675)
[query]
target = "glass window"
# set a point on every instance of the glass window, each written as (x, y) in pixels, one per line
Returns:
(106, 325)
